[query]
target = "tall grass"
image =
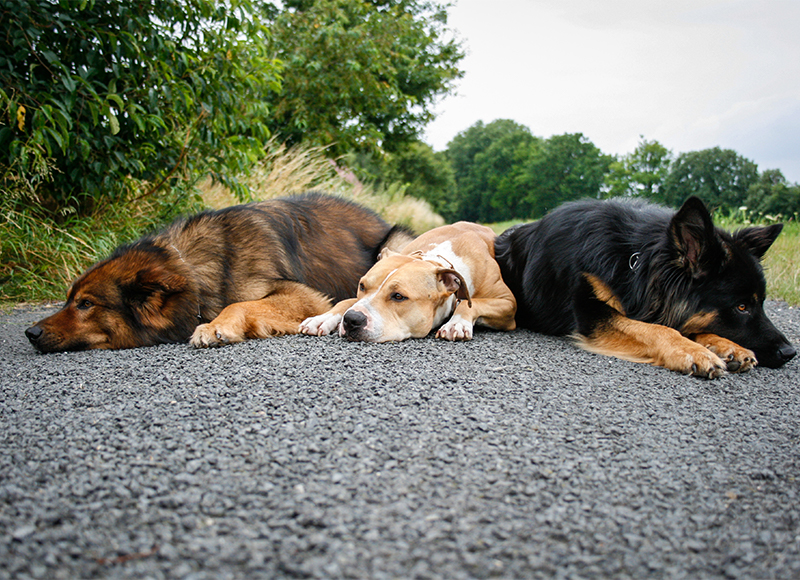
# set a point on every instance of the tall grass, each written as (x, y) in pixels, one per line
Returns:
(286, 170)
(40, 257)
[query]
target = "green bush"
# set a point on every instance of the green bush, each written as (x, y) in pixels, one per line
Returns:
(106, 91)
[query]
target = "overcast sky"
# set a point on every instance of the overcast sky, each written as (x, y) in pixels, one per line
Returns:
(692, 74)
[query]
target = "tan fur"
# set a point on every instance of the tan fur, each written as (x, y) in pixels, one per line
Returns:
(429, 284)
(688, 351)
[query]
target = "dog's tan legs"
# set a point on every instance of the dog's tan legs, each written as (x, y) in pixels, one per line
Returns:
(638, 341)
(497, 313)
(279, 313)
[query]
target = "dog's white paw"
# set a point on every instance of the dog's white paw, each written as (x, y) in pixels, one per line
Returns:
(456, 328)
(320, 325)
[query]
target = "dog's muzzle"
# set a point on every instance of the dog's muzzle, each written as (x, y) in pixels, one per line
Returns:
(354, 324)
(34, 333)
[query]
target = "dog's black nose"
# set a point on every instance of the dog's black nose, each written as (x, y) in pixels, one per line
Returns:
(34, 333)
(353, 320)
(786, 353)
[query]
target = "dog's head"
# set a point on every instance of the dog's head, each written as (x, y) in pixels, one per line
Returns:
(131, 299)
(402, 297)
(728, 282)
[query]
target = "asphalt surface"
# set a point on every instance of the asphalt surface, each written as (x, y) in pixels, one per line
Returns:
(511, 456)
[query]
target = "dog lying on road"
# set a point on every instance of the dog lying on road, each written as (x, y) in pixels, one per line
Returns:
(646, 284)
(447, 279)
(219, 277)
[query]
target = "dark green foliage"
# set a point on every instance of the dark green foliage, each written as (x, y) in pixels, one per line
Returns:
(773, 196)
(362, 76)
(106, 90)
(425, 174)
(720, 177)
(485, 160)
(564, 168)
(641, 173)
(504, 172)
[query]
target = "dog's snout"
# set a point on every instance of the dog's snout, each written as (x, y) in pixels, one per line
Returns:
(34, 333)
(786, 353)
(353, 320)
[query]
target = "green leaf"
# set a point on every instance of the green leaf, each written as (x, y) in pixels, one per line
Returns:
(113, 122)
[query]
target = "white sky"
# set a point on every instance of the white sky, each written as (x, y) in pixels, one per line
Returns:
(691, 74)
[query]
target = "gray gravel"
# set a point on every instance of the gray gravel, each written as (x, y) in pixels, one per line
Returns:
(515, 455)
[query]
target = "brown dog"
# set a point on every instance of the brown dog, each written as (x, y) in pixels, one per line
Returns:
(447, 279)
(252, 270)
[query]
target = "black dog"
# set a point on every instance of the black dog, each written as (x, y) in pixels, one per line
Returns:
(643, 283)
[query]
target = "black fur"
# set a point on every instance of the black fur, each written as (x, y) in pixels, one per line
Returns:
(664, 267)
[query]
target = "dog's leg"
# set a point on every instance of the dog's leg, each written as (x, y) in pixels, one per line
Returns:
(327, 322)
(279, 313)
(738, 358)
(497, 313)
(658, 345)
(603, 329)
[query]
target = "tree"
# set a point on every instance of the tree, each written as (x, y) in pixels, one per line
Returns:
(107, 90)
(425, 173)
(485, 159)
(361, 75)
(720, 177)
(641, 173)
(774, 196)
(562, 168)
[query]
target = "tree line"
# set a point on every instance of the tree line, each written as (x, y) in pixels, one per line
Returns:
(501, 171)
(102, 101)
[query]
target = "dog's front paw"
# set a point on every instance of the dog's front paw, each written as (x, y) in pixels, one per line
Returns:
(211, 334)
(737, 358)
(321, 325)
(456, 328)
(698, 361)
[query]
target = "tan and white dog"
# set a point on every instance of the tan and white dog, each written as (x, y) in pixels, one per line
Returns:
(446, 278)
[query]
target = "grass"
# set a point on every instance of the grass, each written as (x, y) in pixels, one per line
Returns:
(782, 265)
(781, 262)
(39, 258)
(284, 171)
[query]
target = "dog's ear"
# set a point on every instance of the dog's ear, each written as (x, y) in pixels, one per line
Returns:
(149, 286)
(758, 239)
(454, 283)
(385, 253)
(694, 237)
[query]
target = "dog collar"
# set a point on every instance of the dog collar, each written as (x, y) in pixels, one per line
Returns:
(633, 261)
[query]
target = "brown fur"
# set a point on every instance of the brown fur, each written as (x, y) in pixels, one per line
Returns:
(276, 261)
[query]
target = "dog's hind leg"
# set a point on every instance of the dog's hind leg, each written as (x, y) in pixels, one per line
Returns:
(603, 329)
(279, 313)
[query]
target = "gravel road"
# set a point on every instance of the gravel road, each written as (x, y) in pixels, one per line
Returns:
(511, 456)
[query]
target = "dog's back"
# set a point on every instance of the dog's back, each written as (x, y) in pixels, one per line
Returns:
(542, 261)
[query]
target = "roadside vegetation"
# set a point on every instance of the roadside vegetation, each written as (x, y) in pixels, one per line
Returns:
(117, 117)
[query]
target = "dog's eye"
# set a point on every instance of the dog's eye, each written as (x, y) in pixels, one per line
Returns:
(84, 304)
(397, 297)
(742, 308)
(361, 287)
